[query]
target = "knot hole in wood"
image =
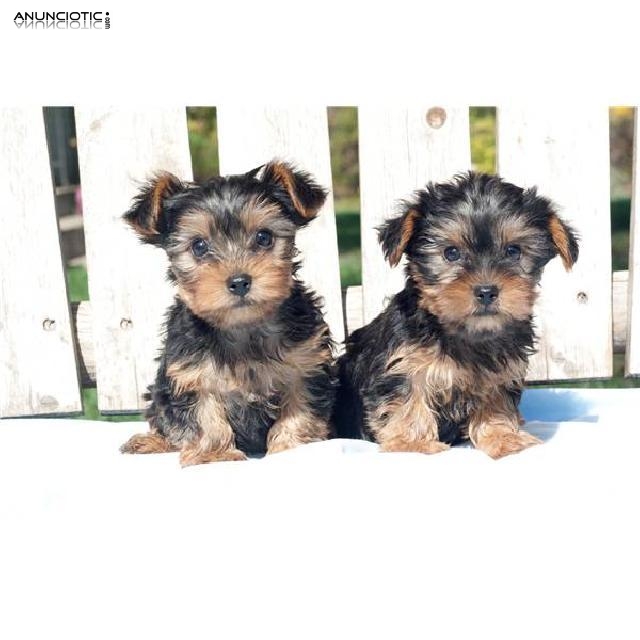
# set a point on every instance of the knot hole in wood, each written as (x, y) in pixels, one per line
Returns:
(436, 117)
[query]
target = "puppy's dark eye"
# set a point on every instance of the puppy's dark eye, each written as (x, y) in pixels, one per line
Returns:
(513, 251)
(199, 247)
(264, 238)
(452, 254)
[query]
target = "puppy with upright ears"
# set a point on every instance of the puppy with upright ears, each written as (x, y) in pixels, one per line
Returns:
(447, 358)
(246, 366)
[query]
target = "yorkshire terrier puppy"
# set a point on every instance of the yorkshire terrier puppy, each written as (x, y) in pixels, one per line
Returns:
(447, 358)
(246, 366)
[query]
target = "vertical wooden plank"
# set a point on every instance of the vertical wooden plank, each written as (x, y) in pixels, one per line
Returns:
(565, 151)
(632, 357)
(400, 151)
(37, 362)
(251, 136)
(353, 308)
(117, 150)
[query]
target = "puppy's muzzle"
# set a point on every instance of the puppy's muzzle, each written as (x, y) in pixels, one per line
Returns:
(239, 285)
(486, 295)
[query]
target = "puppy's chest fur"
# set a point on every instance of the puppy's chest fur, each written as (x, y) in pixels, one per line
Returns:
(251, 381)
(454, 391)
(251, 394)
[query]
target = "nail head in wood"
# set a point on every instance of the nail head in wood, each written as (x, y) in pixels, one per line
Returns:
(49, 324)
(126, 323)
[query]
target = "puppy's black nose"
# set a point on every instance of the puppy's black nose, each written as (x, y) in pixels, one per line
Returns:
(239, 285)
(486, 294)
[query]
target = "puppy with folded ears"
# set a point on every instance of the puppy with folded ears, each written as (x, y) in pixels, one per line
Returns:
(247, 363)
(446, 360)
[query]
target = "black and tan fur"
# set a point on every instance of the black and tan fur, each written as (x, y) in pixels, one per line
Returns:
(447, 358)
(240, 373)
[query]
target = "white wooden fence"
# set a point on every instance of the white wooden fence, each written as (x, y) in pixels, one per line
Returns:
(49, 348)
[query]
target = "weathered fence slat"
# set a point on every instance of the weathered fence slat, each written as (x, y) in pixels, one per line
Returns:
(565, 151)
(37, 362)
(251, 136)
(400, 151)
(632, 360)
(117, 150)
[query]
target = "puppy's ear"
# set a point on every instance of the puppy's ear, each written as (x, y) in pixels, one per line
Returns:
(253, 173)
(395, 233)
(305, 194)
(564, 239)
(147, 212)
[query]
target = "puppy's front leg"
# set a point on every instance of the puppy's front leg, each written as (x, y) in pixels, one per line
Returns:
(494, 428)
(406, 423)
(296, 425)
(217, 441)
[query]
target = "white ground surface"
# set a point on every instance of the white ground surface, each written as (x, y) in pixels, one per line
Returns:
(332, 540)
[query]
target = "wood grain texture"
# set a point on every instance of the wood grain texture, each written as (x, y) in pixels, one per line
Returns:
(565, 151)
(118, 149)
(632, 359)
(401, 149)
(37, 362)
(251, 136)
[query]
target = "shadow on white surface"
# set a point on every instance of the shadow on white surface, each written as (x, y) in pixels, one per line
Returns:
(584, 405)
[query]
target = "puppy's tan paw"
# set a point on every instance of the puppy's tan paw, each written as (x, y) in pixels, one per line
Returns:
(147, 443)
(280, 446)
(422, 446)
(190, 457)
(505, 443)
